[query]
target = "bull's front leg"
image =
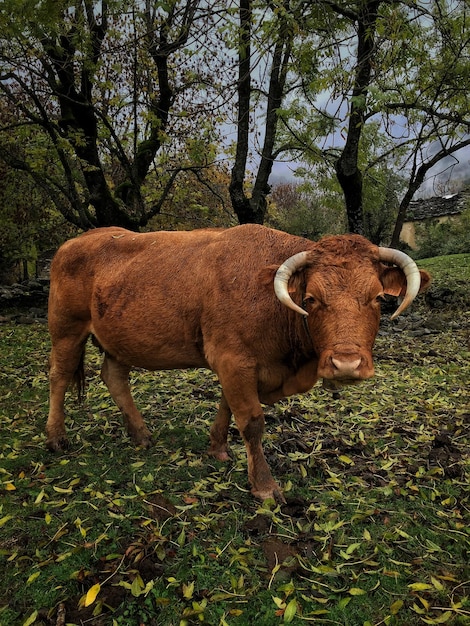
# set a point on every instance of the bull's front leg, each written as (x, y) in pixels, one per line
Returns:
(116, 377)
(263, 485)
(240, 392)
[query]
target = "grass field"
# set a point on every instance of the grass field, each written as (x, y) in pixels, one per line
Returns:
(376, 529)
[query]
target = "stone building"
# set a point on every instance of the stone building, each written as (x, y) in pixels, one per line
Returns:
(438, 208)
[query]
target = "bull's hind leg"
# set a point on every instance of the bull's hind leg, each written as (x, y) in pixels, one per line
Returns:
(219, 431)
(65, 365)
(116, 377)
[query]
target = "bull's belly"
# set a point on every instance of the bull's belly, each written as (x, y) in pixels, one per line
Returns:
(163, 360)
(146, 351)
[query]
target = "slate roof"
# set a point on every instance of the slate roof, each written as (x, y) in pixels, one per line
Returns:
(452, 204)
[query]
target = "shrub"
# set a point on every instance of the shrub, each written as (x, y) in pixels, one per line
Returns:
(450, 237)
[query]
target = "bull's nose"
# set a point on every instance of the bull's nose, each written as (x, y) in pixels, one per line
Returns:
(345, 368)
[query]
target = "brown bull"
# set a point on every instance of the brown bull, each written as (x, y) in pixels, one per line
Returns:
(268, 312)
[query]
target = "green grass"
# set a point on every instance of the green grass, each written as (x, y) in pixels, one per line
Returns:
(375, 530)
(454, 266)
(453, 272)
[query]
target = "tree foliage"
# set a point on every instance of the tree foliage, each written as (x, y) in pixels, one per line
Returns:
(401, 66)
(306, 210)
(29, 225)
(114, 106)
(112, 91)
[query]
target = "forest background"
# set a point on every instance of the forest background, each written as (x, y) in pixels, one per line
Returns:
(172, 114)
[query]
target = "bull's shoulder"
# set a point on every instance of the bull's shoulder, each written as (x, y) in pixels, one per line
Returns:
(260, 238)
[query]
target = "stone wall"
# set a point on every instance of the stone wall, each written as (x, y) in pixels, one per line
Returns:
(24, 302)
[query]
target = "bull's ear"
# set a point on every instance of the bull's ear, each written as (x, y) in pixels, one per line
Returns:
(267, 274)
(394, 281)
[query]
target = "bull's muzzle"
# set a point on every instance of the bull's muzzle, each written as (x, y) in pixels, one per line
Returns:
(346, 368)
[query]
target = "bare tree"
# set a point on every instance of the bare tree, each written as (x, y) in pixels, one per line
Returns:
(103, 90)
(251, 207)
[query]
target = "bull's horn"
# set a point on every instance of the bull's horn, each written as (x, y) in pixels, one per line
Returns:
(411, 271)
(281, 280)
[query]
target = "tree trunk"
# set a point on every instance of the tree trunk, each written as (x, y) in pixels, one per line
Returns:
(240, 202)
(253, 209)
(350, 179)
(347, 169)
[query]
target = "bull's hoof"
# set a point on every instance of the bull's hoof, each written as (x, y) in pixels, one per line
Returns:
(270, 493)
(57, 444)
(143, 440)
(279, 497)
(221, 454)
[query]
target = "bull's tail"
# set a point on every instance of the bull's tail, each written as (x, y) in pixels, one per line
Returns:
(78, 381)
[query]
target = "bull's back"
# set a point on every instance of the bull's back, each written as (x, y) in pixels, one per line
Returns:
(153, 299)
(136, 292)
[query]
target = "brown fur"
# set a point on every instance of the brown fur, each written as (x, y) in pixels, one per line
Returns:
(205, 298)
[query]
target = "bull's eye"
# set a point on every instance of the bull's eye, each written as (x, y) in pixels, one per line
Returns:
(309, 300)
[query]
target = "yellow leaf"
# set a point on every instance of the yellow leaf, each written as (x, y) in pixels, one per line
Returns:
(420, 587)
(356, 591)
(290, 612)
(418, 609)
(5, 519)
(345, 459)
(366, 534)
(10, 487)
(137, 586)
(148, 587)
(278, 602)
(188, 590)
(33, 577)
(137, 464)
(40, 496)
(442, 619)
(62, 490)
(91, 594)
(437, 584)
(31, 619)
(352, 548)
(396, 606)
(425, 603)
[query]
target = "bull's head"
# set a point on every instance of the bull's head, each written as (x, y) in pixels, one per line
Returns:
(341, 296)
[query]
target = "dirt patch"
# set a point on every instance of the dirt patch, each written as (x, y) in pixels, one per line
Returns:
(446, 455)
(281, 558)
(161, 509)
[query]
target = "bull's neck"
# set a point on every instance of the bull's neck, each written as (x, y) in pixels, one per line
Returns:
(300, 345)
